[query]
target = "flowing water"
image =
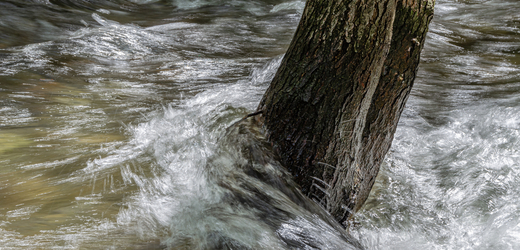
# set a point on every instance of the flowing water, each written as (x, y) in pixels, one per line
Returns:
(113, 117)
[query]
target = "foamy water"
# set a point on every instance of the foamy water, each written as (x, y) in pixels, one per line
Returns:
(113, 123)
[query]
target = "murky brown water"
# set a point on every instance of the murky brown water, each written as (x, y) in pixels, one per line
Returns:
(109, 111)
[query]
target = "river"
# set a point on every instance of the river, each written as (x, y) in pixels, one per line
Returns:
(112, 111)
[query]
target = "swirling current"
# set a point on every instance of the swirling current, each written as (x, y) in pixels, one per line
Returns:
(115, 131)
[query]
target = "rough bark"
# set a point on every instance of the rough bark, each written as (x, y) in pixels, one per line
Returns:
(334, 104)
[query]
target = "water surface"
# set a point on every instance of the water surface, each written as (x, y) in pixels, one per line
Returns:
(112, 111)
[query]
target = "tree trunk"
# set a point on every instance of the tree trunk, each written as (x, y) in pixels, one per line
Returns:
(333, 106)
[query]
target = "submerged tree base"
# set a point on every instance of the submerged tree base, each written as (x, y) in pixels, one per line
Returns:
(251, 184)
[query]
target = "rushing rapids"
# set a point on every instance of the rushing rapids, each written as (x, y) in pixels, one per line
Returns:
(121, 127)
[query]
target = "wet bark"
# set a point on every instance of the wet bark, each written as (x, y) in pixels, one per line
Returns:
(334, 104)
